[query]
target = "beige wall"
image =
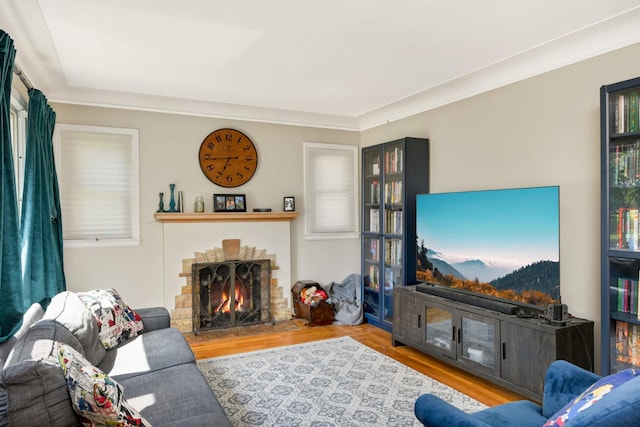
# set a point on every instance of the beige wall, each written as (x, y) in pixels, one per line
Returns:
(168, 153)
(542, 131)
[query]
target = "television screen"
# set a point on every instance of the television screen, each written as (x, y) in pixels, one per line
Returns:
(500, 243)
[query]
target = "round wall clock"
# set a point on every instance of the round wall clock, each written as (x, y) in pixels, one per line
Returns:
(228, 157)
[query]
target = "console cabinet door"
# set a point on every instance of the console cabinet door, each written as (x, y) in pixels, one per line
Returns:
(479, 342)
(525, 344)
(408, 327)
(440, 329)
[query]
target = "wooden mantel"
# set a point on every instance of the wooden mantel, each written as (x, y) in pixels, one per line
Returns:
(177, 217)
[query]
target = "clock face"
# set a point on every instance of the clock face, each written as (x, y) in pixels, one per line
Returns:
(228, 157)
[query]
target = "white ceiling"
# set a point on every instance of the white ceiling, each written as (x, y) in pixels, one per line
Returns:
(347, 64)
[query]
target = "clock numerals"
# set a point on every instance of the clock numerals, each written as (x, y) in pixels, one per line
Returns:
(228, 157)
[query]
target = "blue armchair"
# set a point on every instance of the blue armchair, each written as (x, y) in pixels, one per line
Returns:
(583, 397)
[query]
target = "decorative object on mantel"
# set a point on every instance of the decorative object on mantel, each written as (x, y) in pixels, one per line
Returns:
(229, 203)
(172, 200)
(262, 209)
(198, 206)
(180, 203)
(161, 204)
(289, 204)
(228, 158)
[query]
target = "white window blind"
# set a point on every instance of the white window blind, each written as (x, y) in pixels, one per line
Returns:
(331, 182)
(98, 179)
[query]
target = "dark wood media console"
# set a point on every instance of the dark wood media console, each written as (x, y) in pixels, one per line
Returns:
(512, 350)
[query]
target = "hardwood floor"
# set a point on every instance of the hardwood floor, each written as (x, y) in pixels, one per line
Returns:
(214, 346)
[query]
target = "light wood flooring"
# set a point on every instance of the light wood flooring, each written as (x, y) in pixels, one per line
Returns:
(215, 344)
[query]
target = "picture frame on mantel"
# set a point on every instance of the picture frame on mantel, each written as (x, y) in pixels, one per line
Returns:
(289, 204)
(229, 203)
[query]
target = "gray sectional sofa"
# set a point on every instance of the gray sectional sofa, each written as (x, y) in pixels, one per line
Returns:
(156, 369)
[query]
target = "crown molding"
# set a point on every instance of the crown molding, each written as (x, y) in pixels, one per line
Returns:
(606, 36)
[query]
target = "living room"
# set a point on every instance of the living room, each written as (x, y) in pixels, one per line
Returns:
(535, 127)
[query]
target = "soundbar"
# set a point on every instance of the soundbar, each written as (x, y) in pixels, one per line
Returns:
(467, 297)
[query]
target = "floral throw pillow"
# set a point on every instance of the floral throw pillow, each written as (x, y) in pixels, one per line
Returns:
(591, 396)
(116, 321)
(97, 399)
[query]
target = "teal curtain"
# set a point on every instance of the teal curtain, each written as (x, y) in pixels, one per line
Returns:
(41, 227)
(11, 299)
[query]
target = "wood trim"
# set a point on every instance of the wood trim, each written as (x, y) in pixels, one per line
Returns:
(185, 217)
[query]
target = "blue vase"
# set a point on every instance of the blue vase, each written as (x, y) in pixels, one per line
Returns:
(161, 205)
(172, 202)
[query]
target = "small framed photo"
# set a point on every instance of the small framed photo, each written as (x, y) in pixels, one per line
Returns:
(229, 203)
(289, 204)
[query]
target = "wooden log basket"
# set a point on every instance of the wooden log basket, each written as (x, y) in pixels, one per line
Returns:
(320, 313)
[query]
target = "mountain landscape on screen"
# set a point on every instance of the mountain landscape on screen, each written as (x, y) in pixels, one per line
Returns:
(501, 243)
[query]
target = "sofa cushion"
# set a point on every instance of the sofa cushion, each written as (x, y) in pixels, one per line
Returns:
(67, 308)
(591, 396)
(116, 321)
(175, 396)
(36, 388)
(37, 343)
(151, 351)
(154, 318)
(96, 398)
(32, 315)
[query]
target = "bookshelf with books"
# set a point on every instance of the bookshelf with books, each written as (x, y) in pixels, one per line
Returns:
(620, 169)
(392, 174)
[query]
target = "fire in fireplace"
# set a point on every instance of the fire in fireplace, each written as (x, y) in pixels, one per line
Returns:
(230, 293)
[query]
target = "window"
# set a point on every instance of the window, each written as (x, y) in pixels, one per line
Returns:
(18, 125)
(331, 179)
(98, 179)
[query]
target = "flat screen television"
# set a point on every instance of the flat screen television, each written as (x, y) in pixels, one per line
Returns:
(502, 244)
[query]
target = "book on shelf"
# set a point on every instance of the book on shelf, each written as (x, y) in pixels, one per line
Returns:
(373, 277)
(393, 221)
(627, 343)
(375, 166)
(626, 296)
(624, 164)
(375, 192)
(393, 252)
(393, 192)
(627, 224)
(374, 248)
(374, 220)
(393, 160)
(626, 112)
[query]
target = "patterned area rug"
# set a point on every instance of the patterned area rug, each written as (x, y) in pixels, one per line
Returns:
(334, 382)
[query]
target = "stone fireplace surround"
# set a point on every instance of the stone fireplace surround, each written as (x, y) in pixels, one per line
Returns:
(182, 314)
(188, 237)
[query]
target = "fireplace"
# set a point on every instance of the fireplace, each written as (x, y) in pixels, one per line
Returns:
(230, 293)
(190, 238)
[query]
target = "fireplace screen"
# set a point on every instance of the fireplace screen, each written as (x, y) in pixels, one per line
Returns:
(230, 293)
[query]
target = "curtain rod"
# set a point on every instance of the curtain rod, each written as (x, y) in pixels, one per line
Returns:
(22, 77)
